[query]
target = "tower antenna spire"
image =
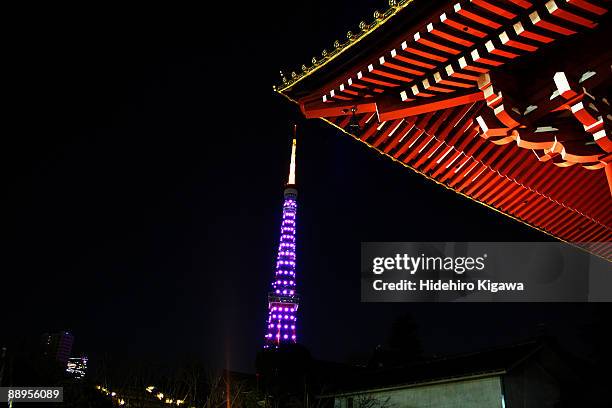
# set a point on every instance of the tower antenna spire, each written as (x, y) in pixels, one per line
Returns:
(291, 180)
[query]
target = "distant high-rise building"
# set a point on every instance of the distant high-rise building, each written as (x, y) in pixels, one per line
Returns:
(77, 367)
(57, 346)
(283, 300)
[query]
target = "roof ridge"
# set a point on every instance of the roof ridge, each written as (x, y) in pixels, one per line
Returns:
(471, 353)
(395, 6)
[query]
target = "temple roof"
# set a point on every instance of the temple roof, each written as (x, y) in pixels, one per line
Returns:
(501, 101)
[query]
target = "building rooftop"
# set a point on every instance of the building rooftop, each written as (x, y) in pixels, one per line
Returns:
(494, 361)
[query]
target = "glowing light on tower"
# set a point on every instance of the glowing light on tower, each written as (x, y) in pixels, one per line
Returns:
(291, 181)
(283, 300)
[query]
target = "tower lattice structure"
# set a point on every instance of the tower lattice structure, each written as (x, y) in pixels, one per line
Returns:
(283, 299)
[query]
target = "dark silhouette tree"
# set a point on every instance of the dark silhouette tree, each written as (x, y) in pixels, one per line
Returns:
(404, 336)
(403, 345)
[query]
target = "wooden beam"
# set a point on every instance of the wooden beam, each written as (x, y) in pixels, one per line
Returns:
(331, 109)
(389, 110)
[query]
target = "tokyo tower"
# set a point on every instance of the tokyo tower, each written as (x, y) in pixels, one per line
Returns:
(283, 299)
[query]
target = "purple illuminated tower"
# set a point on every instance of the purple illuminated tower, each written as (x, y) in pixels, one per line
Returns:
(283, 300)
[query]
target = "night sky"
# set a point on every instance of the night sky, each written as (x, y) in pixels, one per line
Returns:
(143, 185)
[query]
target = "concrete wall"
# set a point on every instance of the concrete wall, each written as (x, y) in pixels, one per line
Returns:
(479, 393)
